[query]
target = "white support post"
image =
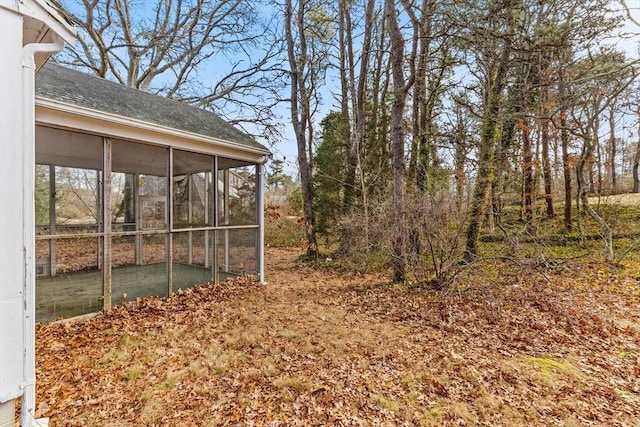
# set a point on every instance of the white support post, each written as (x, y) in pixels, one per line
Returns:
(207, 197)
(24, 28)
(215, 220)
(227, 218)
(107, 283)
(260, 215)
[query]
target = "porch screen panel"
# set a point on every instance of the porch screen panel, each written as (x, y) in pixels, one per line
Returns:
(139, 221)
(68, 204)
(192, 202)
(237, 252)
(139, 267)
(191, 254)
(73, 286)
(237, 193)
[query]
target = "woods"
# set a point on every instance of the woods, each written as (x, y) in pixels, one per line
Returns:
(498, 104)
(504, 104)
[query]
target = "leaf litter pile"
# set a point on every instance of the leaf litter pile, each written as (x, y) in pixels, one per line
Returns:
(321, 347)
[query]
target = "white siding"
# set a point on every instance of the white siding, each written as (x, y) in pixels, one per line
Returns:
(11, 217)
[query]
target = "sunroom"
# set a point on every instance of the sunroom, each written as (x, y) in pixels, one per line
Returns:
(137, 195)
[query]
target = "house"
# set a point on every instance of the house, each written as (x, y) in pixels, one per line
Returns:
(108, 193)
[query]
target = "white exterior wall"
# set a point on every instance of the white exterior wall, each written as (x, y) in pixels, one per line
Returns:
(12, 266)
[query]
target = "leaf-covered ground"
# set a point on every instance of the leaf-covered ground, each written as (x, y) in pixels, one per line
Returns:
(514, 344)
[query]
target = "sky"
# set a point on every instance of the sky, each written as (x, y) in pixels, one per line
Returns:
(631, 31)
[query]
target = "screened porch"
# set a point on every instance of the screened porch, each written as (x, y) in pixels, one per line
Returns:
(118, 220)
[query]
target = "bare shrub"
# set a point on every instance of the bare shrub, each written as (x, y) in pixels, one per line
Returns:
(433, 231)
(365, 242)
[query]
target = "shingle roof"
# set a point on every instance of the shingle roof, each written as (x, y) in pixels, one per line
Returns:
(68, 86)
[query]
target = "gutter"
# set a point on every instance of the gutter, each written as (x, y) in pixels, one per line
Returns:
(27, 416)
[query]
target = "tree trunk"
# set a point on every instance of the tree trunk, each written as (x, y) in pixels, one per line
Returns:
(424, 97)
(377, 142)
(506, 141)
(612, 149)
(566, 167)
(460, 160)
(636, 164)
(486, 154)
(598, 160)
(546, 170)
(300, 116)
(398, 262)
(527, 170)
(604, 227)
(346, 59)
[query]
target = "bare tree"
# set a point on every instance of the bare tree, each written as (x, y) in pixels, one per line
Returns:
(354, 96)
(214, 55)
(306, 36)
(636, 157)
(401, 86)
(599, 80)
(613, 146)
(495, 84)
(636, 163)
(627, 10)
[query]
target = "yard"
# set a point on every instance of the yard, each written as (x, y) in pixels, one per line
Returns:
(519, 345)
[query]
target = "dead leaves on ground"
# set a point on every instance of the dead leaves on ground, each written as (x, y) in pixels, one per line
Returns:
(320, 348)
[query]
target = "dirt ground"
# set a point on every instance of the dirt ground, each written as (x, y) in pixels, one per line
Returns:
(535, 346)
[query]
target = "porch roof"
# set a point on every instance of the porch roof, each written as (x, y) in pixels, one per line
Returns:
(73, 88)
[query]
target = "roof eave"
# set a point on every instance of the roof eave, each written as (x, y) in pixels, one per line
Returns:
(121, 124)
(49, 15)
